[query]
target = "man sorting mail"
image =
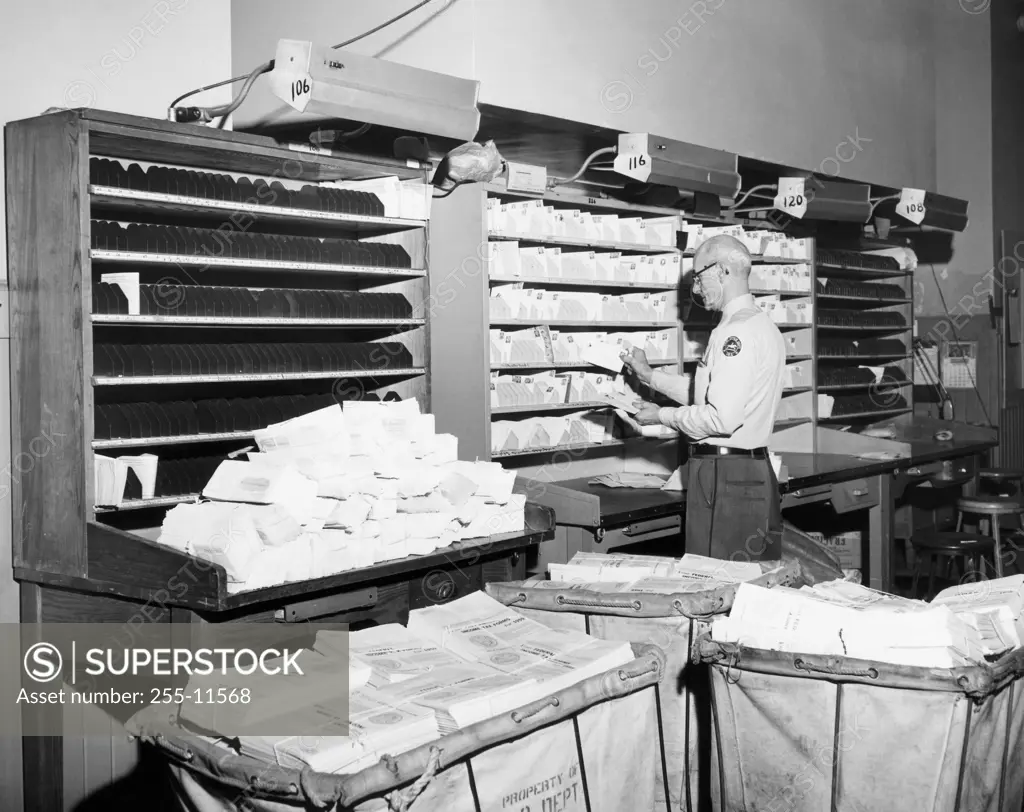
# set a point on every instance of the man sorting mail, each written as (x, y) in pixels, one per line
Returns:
(732, 496)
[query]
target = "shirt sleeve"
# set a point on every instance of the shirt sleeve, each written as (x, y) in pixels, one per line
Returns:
(676, 387)
(733, 362)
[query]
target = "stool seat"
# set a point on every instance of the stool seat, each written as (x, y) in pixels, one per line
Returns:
(1002, 474)
(954, 543)
(990, 505)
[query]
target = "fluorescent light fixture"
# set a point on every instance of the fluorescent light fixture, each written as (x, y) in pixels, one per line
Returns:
(812, 198)
(661, 161)
(315, 85)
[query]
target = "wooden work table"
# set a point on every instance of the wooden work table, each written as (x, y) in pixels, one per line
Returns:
(599, 518)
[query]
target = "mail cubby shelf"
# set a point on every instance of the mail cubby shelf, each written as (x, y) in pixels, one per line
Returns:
(583, 242)
(548, 407)
(559, 277)
(655, 362)
(169, 439)
(864, 325)
(149, 504)
(221, 263)
(588, 325)
(554, 282)
(564, 448)
(174, 289)
(133, 202)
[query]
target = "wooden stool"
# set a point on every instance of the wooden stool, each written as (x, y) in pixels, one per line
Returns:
(971, 548)
(990, 509)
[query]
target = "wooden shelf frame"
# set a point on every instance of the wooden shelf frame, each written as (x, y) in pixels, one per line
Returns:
(60, 536)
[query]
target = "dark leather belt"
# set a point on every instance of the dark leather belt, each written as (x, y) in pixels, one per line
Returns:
(708, 450)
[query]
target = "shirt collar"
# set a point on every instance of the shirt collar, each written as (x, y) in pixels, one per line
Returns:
(743, 302)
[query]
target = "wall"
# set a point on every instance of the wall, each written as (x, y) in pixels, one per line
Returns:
(130, 56)
(908, 83)
(964, 129)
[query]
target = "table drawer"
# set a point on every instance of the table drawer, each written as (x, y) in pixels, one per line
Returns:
(636, 532)
(940, 474)
(856, 494)
(806, 496)
(444, 585)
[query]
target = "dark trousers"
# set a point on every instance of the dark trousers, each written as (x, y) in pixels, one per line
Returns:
(733, 510)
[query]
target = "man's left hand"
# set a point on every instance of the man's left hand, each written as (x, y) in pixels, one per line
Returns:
(647, 414)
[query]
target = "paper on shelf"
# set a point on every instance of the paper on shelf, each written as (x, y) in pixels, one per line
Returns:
(603, 355)
(129, 285)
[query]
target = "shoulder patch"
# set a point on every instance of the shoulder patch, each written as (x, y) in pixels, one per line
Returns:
(731, 347)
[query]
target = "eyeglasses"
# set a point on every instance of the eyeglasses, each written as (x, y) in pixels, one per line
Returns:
(705, 269)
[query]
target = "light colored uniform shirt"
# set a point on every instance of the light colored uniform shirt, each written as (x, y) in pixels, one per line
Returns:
(738, 384)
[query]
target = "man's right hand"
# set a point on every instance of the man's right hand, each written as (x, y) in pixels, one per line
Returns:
(636, 361)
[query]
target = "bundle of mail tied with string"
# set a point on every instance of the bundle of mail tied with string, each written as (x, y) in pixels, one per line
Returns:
(336, 490)
(454, 665)
(610, 572)
(965, 625)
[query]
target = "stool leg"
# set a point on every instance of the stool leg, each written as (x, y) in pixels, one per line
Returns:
(918, 559)
(959, 521)
(931, 575)
(999, 547)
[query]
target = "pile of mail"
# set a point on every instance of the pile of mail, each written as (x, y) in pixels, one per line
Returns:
(645, 573)
(548, 387)
(516, 302)
(531, 218)
(455, 665)
(759, 243)
(508, 260)
(536, 346)
(582, 428)
(965, 625)
(780, 277)
(336, 490)
(786, 311)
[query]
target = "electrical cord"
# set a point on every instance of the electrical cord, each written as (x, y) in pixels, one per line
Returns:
(586, 164)
(224, 110)
(764, 186)
(876, 203)
(394, 19)
(945, 307)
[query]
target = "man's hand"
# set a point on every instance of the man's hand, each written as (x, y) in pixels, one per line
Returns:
(647, 414)
(636, 361)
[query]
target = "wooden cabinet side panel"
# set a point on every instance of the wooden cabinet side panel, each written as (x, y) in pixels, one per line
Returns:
(457, 312)
(47, 225)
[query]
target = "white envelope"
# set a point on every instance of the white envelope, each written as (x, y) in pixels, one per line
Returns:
(532, 261)
(660, 231)
(505, 260)
(607, 265)
(608, 227)
(579, 265)
(603, 355)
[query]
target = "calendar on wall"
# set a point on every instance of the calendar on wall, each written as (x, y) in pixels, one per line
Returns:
(960, 364)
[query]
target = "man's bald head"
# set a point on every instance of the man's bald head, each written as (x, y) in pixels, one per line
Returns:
(728, 252)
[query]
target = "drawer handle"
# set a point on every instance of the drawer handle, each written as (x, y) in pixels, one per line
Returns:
(860, 492)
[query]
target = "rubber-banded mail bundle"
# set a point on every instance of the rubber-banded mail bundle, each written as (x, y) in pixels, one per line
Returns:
(585, 748)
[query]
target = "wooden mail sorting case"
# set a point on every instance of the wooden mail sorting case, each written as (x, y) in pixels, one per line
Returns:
(261, 294)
